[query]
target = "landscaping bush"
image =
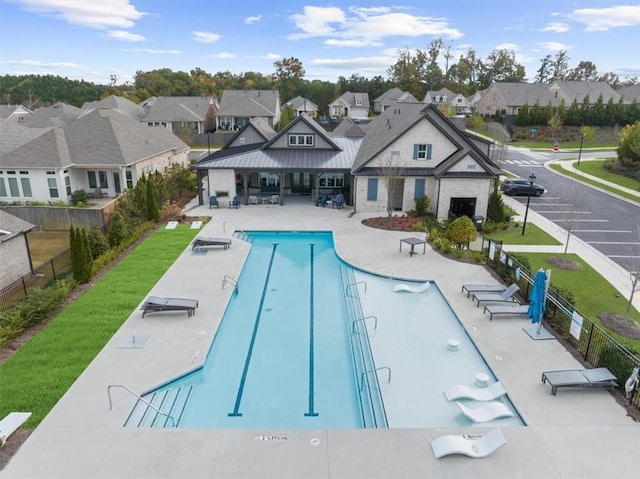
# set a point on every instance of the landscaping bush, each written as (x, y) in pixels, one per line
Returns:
(79, 197)
(461, 232)
(97, 242)
(118, 230)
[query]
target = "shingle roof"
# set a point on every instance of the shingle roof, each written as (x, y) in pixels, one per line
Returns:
(249, 103)
(353, 98)
(58, 114)
(577, 90)
(14, 135)
(113, 102)
(630, 93)
(348, 128)
(299, 101)
(175, 108)
(11, 226)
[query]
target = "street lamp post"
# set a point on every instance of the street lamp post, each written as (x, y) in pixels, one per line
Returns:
(532, 178)
(580, 152)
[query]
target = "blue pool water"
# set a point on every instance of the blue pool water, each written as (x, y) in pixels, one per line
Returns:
(288, 353)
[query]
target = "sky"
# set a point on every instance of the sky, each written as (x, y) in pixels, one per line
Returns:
(97, 40)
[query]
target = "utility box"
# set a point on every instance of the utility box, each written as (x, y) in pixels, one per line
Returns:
(478, 220)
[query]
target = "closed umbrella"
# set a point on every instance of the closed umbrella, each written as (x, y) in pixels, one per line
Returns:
(537, 298)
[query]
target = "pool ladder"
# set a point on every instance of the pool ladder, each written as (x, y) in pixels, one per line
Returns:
(240, 233)
(228, 280)
(140, 398)
(364, 375)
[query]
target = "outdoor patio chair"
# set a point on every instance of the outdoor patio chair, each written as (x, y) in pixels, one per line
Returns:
(411, 289)
(201, 242)
(506, 295)
(580, 378)
(509, 309)
(235, 202)
(10, 424)
(274, 200)
(155, 304)
(476, 446)
(213, 201)
(338, 203)
(483, 288)
(253, 200)
(487, 412)
(323, 201)
(490, 393)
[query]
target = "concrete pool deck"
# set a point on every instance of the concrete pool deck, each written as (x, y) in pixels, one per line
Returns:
(577, 434)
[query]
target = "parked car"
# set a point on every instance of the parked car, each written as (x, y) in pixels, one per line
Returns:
(520, 186)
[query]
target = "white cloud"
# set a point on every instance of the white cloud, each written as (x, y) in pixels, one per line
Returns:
(252, 20)
(554, 46)
(206, 37)
(152, 51)
(125, 36)
(368, 24)
(40, 64)
(508, 46)
(556, 27)
(334, 42)
(114, 13)
(271, 56)
(380, 63)
(603, 19)
(224, 55)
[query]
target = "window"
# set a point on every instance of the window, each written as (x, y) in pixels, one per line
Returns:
(67, 184)
(372, 189)
(13, 187)
(26, 187)
(358, 102)
(301, 140)
(3, 188)
(92, 179)
(418, 191)
(129, 177)
(422, 151)
(102, 175)
(53, 188)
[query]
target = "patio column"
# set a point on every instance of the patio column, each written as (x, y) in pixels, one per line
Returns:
(281, 196)
(245, 188)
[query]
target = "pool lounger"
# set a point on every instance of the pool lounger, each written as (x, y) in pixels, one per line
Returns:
(476, 446)
(487, 412)
(483, 288)
(202, 242)
(154, 304)
(491, 392)
(513, 309)
(504, 297)
(580, 378)
(411, 289)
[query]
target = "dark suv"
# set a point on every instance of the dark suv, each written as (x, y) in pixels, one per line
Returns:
(519, 186)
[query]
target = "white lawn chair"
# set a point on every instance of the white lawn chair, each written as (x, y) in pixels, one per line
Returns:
(488, 412)
(472, 446)
(490, 393)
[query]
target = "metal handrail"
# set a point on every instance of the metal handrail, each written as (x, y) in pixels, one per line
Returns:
(140, 398)
(373, 371)
(244, 237)
(346, 290)
(375, 323)
(229, 280)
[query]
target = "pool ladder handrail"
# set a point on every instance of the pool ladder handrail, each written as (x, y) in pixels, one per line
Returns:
(243, 236)
(373, 371)
(353, 324)
(140, 398)
(346, 290)
(229, 280)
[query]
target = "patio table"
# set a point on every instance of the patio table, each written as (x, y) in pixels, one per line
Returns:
(413, 242)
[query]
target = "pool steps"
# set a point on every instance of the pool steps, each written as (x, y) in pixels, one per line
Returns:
(171, 402)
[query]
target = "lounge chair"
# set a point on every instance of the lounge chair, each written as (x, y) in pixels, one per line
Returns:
(487, 412)
(274, 200)
(155, 304)
(323, 201)
(580, 378)
(483, 288)
(510, 309)
(490, 393)
(213, 201)
(505, 296)
(200, 242)
(412, 289)
(235, 202)
(338, 203)
(253, 200)
(470, 445)
(10, 424)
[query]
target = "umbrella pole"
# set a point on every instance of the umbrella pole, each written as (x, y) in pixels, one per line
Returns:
(546, 291)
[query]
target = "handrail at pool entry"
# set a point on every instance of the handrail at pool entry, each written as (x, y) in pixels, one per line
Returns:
(373, 371)
(346, 290)
(229, 280)
(241, 234)
(140, 398)
(375, 323)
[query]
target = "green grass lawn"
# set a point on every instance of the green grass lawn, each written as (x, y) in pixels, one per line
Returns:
(532, 235)
(595, 168)
(37, 376)
(560, 169)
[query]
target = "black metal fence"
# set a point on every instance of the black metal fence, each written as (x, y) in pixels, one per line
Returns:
(56, 268)
(585, 339)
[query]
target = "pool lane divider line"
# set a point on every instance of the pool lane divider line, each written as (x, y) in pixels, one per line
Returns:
(254, 334)
(311, 412)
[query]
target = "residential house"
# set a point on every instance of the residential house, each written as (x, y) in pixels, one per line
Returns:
(120, 104)
(301, 105)
(176, 113)
(102, 152)
(445, 98)
(352, 105)
(507, 98)
(17, 113)
(630, 93)
(14, 248)
(390, 97)
(58, 114)
(432, 156)
(237, 107)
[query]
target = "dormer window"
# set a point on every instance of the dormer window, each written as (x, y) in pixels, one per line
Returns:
(358, 102)
(301, 140)
(444, 98)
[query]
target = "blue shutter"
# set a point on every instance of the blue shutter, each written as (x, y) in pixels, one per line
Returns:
(429, 151)
(372, 189)
(418, 191)
(415, 152)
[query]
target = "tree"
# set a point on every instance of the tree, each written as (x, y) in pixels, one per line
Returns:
(585, 71)
(433, 73)
(560, 66)
(461, 232)
(409, 71)
(97, 242)
(501, 66)
(495, 208)
(629, 146)
(118, 229)
(286, 117)
(555, 123)
(544, 73)
(81, 258)
(153, 212)
(289, 75)
(391, 172)
(210, 117)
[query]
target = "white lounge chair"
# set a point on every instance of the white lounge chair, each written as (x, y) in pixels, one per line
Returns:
(580, 378)
(470, 445)
(488, 412)
(10, 424)
(412, 289)
(274, 200)
(505, 296)
(491, 392)
(483, 288)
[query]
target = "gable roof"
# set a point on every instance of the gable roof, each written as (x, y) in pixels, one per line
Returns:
(58, 114)
(11, 226)
(299, 101)
(175, 108)
(249, 103)
(259, 125)
(578, 90)
(352, 98)
(15, 135)
(310, 122)
(348, 128)
(116, 103)
(630, 93)
(7, 111)
(430, 96)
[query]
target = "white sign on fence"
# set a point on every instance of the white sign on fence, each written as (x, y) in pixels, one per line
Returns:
(576, 325)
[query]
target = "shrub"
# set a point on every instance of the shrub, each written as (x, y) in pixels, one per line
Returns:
(78, 197)
(479, 256)
(98, 242)
(422, 207)
(495, 208)
(171, 211)
(81, 258)
(153, 213)
(461, 232)
(118, 230)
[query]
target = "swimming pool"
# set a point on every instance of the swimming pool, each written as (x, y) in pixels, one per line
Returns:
(310, 342)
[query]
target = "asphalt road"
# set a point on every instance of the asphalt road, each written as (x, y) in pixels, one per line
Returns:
(609, 224)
